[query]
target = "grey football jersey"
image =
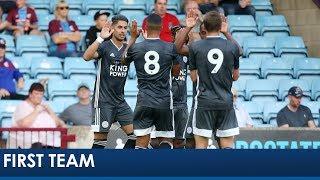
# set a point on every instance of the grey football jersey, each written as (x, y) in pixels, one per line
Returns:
(112, 75)
(215, 59)
(153, 60)
(179, 84)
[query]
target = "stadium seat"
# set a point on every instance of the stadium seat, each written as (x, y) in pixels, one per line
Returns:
(250, 68)
(90, 7)
(239, 85)
(315, 90)
(49, 67)
(286, 84)
(57, 106)
(276, 68)
(43, 21)
(24, 66)
(27, 84)
(273, 26)
(132, 74)
(173, 6)
(314, 106)
(130, 5)
(242, 23)
(255, 109)
(137, 15)
(240, 37)
(87, 81)
(6, 123)
(62, 89)
(38, 44)
(76, 66)
(43, 5)
(7, 108)
(261, 90)
(292, 45)
(259, 45)
(10, 48)
(75, 6)
(263, 7)
(84, 22)
(132, 101)
(306, 67)
(189, 87)
(131, 88)
(271, 109)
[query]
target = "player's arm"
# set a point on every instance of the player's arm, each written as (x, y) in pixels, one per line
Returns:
(91, 52)
(182, 35)
(224, 31)
(194, 75)
(235, 74)
(134, 36)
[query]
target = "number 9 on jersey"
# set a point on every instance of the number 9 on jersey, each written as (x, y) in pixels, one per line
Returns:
(215, 56)
(151, 66)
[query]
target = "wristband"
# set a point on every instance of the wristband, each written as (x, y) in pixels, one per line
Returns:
(99, 39)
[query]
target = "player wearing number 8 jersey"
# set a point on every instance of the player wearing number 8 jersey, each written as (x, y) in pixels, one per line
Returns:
(153, 60)
(214, 64)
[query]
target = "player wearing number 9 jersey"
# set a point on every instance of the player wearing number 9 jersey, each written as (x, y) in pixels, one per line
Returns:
(212, 64)
(153, 60)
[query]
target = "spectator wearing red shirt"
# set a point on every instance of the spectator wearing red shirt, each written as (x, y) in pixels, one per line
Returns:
(22, 20)
(168, 20)
(64, 33)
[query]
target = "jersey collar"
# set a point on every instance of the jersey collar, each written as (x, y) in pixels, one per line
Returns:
(213, 36)
(116, 45)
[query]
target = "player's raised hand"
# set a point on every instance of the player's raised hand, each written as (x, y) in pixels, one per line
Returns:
(134, 29)
(224, 25)
(191, 19)
(106, 30)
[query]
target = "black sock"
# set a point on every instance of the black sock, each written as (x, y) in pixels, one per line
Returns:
(131, 142)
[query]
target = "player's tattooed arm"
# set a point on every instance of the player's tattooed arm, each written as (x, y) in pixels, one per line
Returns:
(182, 35)
(224, 31)
(91, 52)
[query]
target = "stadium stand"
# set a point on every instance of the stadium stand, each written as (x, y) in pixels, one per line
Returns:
(273, 26)
(276, 68)
(250, 68)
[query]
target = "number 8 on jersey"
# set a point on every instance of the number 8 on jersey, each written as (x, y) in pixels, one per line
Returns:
(151, 62)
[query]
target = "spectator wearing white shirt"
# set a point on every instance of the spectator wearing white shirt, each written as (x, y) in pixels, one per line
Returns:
(243, 118)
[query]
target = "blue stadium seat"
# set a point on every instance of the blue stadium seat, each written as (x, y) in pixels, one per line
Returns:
(306, 67)
(10, 48)
(242, 23)
(189, 87)
(286, 84)
(240, 37)
(57, 106)
(314, 106)
(137, 15)
(6, 123)
(75, 6)
(91, 6)
(42, 5)
(273, 26)
(7, 108)
(255, 109)
(24, 66)
(84, 22)
(315, 90)
(132, 74)
(132, 101)
(292, 45)
(62, 89)
(130, 5)
(43, 21)
(39, 44)
(263, 7)
(76, 66)
(276, 68)
(240, 86)
(259, 45)
(87, 81)
(271, 109)
(131, 88)
(49, 67)
(261, 90)
(250, 68)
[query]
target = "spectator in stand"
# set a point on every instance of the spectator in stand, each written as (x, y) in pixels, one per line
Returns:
(79, 114)
(100, 18)
(64, 33)
(240, 7)
(8, 73)
(295, 114)
(243, 118)
(22, 20)
(34, 113)
(5, 7)
(168, 20)
(210, 5)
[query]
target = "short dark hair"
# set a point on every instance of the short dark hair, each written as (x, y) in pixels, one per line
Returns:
(115, 19)
(154, 22)
(155, 1)
(36, 87)
(212, 21)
